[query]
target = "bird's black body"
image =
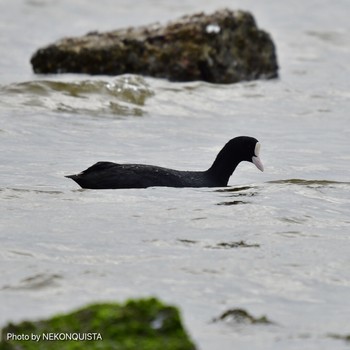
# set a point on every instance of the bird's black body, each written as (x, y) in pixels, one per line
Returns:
(111, 175)
(108, 175)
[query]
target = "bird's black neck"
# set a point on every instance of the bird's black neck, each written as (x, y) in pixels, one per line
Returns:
(224, 165)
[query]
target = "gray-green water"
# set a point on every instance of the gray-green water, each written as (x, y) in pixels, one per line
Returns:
(274, 243)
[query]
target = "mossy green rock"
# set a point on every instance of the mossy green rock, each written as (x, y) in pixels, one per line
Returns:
(224, 47)
(144, 324)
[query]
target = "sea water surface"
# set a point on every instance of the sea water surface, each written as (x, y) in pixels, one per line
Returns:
(275, 244)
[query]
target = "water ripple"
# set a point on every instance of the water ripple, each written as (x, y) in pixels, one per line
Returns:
(308, 182)
(36, 282)
(123, 96)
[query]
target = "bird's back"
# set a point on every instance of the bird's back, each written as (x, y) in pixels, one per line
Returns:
(107, 175)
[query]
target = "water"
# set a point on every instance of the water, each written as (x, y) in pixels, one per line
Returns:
(274, 243)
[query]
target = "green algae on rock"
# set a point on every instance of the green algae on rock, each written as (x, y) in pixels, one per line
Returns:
(145, 324)
(224, 47)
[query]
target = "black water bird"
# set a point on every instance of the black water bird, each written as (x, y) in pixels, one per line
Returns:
(108, 175)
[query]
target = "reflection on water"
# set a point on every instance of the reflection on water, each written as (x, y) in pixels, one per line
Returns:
(241, 192)
(230, 245)
(205, 244)
(234, 189)
(233, 203)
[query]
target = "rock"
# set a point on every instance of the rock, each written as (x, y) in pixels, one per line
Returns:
(225, 47)
(241, 316)
(138, 324)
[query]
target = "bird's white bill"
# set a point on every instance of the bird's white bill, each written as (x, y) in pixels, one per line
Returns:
(257, 162)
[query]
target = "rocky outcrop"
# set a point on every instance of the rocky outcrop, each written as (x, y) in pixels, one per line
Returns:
(225, 47)
(137, 324)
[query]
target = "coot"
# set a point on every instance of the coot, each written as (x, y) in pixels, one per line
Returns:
(108, 175)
